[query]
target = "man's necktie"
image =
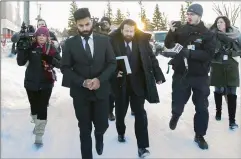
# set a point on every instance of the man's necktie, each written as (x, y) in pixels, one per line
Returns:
(87, 47)
(128, 50)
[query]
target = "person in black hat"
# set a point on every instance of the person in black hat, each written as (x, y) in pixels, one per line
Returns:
(191, 67)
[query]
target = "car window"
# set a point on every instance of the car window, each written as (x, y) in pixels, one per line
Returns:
(160, 37)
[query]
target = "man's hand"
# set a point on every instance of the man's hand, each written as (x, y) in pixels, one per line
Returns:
(120, 74)
(171, 26)
(95, 84)
(159, 82)
(87, 83)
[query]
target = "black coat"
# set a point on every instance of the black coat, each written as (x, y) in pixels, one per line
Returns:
(35, 78)
(77, 66)
(199, 59)
(150, 65)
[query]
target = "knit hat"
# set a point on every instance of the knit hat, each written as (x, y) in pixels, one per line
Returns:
(105, 19)
(42, 30)
(196, 8)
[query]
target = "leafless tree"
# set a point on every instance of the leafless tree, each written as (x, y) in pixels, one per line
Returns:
(228, 9)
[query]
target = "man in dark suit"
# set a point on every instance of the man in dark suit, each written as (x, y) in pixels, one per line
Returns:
(88, 61)
(128, 41)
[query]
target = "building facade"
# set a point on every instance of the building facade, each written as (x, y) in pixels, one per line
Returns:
(10, 18)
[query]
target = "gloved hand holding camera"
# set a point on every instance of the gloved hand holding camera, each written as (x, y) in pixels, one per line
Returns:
(47, 58)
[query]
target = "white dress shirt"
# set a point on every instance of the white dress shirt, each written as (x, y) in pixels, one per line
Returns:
(90, 42)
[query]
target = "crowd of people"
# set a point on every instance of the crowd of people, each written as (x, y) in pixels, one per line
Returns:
(99, 81)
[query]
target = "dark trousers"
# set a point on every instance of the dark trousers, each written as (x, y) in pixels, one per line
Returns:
(88, 111)
(141, 123)
(39, 102)
(181, 91)
(112, 103)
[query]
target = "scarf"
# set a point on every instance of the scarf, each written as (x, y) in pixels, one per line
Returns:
(47, 49)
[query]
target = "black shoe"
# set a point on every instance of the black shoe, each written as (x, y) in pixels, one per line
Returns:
(142, 152)
(173, 122)
(111, 117)
(218, 115)
(233, 126)
(121, 138)
(132, 113)
(99, 145)
(202, 144)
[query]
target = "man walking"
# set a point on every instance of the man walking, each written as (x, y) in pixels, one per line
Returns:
(88, 61)
(128, 41)
(191, 67)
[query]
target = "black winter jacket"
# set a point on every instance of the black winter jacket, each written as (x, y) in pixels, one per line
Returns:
(35, 78)
(200, 59)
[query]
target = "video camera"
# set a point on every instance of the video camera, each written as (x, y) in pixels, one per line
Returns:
(24, 38)
(97, 25)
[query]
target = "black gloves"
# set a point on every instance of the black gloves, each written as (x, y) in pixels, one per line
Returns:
(47, 58)
(184, 52)
(169, 54)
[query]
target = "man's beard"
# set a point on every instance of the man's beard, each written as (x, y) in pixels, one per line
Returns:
(128, 38)
(86, 33)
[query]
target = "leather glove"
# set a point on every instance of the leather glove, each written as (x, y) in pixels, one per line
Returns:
(186, 52)
(169, 54)
(47, 58)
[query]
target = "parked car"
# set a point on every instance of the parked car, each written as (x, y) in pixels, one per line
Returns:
(157, 41)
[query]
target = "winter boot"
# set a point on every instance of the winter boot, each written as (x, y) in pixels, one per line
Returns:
(173, 122)
(202, 144)
(34, 117)
(143, 152)
(218, 102)
(232, 104)
(39, 130)
(111, 117)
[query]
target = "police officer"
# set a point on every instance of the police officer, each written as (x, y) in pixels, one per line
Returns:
(191, 67)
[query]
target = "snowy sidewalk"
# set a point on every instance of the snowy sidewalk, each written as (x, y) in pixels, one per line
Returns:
(61, 139)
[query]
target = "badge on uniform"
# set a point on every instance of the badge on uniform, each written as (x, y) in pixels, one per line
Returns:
(191, 47)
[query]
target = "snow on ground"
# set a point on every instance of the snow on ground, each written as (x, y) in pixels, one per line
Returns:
(61, 139)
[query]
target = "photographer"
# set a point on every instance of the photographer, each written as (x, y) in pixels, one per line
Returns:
(191, 67)
(39, 76)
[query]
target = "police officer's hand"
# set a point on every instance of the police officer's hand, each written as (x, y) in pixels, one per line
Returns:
(171, 26)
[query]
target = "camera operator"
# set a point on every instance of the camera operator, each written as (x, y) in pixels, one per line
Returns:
(191, 67)
(39, 76)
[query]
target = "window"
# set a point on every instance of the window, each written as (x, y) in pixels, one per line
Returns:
(160, 37)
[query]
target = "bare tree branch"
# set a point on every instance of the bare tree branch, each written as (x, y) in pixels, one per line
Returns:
(227, 9)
